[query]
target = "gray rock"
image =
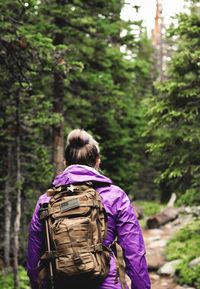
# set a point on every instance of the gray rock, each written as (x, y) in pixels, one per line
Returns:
(195, 211)
(158, 244)
(194, 262)
(155, 259)
(169, 268)
(153, 239)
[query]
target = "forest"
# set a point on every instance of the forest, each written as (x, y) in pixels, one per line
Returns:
(69, 64)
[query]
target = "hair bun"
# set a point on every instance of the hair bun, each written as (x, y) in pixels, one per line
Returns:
(78, 138)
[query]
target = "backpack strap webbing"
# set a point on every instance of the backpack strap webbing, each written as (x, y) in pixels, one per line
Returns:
(120, 260)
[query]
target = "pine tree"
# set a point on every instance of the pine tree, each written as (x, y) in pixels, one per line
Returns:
(175, 113)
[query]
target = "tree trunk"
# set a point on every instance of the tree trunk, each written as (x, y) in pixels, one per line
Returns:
(58, 130)
(58, 101)
(18, 200)
(172, 201)
(160, 219)
(7, 212)
(165, 192)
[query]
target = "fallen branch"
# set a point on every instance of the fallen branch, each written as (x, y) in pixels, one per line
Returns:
(167, 215)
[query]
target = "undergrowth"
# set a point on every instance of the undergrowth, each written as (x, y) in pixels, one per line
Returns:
(185, 245)
(6, 280)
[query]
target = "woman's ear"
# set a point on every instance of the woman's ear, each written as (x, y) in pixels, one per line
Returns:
(65, 163)
(97, 165)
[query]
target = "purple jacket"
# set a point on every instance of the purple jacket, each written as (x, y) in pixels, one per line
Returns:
(122, 223)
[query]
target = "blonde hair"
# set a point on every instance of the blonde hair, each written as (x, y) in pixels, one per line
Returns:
(81, 148)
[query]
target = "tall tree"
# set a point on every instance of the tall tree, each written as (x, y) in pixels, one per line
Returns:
(18, 196)
(175, 112)
(27, 59)
(7, 210)
(58, 94)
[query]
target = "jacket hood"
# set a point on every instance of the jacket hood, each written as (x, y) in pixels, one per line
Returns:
(79, 174)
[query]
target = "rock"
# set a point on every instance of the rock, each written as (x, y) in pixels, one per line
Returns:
(195, 211)
(164, 283)
(169, 268)
(139, 212)
(156, 232)
(194, 262)
(155, 260)
(177, 221)
(188, 210)
(153, 239)
(158, 244)
(154, 276)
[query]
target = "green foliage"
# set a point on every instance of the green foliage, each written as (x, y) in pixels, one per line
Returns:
(174, 113)
(185, 245)
(149, 207)
(80, 42)
(189, 198)
(6, 280)
(188, 275)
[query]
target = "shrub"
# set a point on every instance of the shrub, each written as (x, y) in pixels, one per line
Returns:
(191, 197)
(185, 245)
(6, 280)
(149, 208)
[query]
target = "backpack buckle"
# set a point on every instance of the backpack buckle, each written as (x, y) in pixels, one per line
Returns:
(49, 255)
(78, 261)
(97, 248)
(43, 212)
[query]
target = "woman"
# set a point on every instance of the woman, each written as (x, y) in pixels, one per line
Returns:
(82, 161)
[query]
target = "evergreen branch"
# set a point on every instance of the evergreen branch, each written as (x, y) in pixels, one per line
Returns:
(23, 8)
(79, 28)
(13, 20)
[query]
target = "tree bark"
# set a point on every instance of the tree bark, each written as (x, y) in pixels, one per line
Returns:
(165, 216)
(58, 101)
(58, 129)
(138, 212)
(18, 200)
(172, 201)
(7, 212)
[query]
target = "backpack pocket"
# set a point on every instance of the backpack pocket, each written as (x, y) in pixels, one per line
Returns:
(75, 254)
(74, 265)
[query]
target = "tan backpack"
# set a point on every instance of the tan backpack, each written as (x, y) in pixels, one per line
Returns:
(75, 222)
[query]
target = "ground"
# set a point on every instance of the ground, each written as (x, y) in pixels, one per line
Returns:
(155, 242)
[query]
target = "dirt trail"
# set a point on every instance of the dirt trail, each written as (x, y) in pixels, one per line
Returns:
(155, 242)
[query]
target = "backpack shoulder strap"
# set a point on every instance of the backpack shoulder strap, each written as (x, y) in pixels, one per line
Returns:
(119, 259)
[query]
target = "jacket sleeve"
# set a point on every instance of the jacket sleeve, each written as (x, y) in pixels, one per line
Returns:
(131, 240)
(35, 246)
